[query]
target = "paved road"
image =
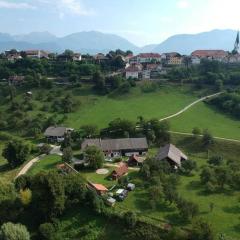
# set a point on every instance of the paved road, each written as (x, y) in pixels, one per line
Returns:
(25, 169)
(189, 106)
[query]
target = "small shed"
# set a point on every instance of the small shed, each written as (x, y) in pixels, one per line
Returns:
(99, 188)
(110, 201)
(135, 160)
(120, 171)
(131, 187)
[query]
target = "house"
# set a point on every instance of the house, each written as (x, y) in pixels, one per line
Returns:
(77, 57)
(233, 58)
(135, 160)
(133, 71)
(195, 60)
(146, 58)
(16, 80)
(120, 171)
(56, 134)
(100, 58)
(175, 60)
(99, 188)
(118, 147)
(217, 55)
(13, 55)
(36, 54)
(172, 154)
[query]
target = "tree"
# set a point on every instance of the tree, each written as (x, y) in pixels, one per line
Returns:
(90, 130)
(201, 230)
(216, 160)
(196, 132)
(67, 155)
(207, 139)
(99, 80)
(130, 219)
(94, 157)
(187, 209)
(25, 196)
(46, 149)
(47, 231)
(16, 152)
(10, 231)
(188, 166)
(48, 194)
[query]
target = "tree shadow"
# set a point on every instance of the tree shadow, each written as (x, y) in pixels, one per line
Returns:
(4, 168)
(176, 219)
(233, 210)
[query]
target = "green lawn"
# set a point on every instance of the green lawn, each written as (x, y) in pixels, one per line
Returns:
(47, 163)
(205, 117)
(101, 110)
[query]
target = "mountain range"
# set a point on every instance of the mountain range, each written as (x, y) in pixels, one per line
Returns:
(93, 42)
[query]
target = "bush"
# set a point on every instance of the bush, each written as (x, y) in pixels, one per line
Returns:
(10, 231)
(47, 231)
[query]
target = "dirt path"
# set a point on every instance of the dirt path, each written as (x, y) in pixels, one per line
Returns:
(116, 165)
(189, 106)
(217, 138)
(25, 169)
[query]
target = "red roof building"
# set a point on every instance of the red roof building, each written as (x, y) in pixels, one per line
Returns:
(120, 171)
(214, 54)
(99, 188)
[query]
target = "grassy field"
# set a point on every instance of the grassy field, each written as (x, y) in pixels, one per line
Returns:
(100, 110)
(205, 117)
(47, 163)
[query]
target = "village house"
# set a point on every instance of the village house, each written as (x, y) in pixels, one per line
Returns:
(175, 61)
(13, 55)
(146, 58)
(77, 57)
(118, 147)
(56, 134)
(172, 154)
(120, 171)
(195, 60)
(99, 188)
(100, 58)
(134, 71)
(217, 55)
(36, 54)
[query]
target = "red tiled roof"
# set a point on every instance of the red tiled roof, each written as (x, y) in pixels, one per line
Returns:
(149, 55)
(99, 187)
(121, 170)
(209, 53)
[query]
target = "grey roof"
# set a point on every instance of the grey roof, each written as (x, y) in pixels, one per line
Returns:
(171, 152)
(55, 132)
(117, 144)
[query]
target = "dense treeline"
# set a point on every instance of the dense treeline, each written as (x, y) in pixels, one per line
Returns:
(228, 103)
(208, 72)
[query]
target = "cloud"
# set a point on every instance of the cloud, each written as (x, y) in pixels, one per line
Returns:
(66, 7)
(183, 4)
(11, 5)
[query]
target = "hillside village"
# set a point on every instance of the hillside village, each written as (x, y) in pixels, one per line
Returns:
(137, 146)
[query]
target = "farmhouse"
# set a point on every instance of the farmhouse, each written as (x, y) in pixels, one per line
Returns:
(120, 171)
(56, 134)
(172, 154)
(99, 188)
(118, 147)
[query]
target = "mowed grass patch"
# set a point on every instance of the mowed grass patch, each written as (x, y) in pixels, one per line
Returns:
(48, 163)
(100, 110)
(203, 116)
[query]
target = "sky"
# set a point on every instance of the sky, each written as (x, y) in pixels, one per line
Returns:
(141, 22)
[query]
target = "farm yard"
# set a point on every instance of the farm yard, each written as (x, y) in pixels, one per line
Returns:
(190, 188)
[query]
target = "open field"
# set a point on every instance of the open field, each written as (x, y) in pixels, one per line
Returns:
(205, 117)
(47, 163)
(102, 110)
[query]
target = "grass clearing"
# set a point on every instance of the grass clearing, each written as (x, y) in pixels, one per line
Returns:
(45, 164)
(206, 117)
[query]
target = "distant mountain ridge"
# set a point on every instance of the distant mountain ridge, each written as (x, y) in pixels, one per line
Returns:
(93, 42)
